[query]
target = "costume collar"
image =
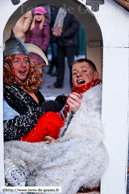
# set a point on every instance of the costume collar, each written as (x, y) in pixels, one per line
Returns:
(83, 88)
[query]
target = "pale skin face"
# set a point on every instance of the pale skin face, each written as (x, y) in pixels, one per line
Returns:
(21, 66)
(82, 73)
(38, 17)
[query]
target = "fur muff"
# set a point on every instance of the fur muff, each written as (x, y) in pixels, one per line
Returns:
(78, 159)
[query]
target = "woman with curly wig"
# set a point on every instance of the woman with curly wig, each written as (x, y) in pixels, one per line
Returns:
(24, 105)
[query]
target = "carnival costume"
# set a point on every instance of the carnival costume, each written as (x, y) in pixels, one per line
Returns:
(21, 111)
(78, 159)
(27, 113)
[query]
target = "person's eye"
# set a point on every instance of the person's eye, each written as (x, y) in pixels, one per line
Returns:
(15, 62)
(27, 61)
(84, 71)
(74, 73)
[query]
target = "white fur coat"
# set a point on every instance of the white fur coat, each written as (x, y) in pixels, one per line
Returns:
(79, 159)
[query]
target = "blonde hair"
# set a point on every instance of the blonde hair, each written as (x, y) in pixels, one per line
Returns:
(41, 23)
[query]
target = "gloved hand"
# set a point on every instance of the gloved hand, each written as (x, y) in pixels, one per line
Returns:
(54, 106)
(61, 99)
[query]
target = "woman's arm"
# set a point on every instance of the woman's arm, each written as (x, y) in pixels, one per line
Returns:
(27, 21)
(21, 125)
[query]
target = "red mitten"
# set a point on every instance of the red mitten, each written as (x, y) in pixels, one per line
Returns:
(48, 124)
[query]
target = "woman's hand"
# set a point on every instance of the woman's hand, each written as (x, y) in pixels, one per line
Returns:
(74, 101)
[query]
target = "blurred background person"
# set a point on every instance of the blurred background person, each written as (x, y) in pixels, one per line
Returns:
(23, 25)
(39, 33)
(65, 29)
(53, 44)
(48, 14)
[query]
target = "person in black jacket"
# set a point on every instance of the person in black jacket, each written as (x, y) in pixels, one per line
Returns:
(66, 45)
(23, 102)
(53, 43)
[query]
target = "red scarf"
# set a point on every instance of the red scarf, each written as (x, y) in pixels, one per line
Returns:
(83, 88)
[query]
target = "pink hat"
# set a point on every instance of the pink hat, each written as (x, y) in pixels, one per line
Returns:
(40, 10)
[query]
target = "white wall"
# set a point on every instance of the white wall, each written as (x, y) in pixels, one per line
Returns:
(114, 24)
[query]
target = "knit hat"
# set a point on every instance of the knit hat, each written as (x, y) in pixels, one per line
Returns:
(40, 10)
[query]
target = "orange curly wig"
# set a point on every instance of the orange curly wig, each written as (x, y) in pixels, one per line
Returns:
(33, 81)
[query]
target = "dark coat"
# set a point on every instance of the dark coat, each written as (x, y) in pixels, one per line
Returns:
(29, 111)
(40, 38)
(70, 31)
(54, 11)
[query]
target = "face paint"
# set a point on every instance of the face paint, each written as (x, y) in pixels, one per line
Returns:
(21, 66)
(82, 73)
(18, 61)
(81, 70)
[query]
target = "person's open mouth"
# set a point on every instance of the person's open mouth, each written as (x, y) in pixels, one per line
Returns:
(22, 72)
(80, 82)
